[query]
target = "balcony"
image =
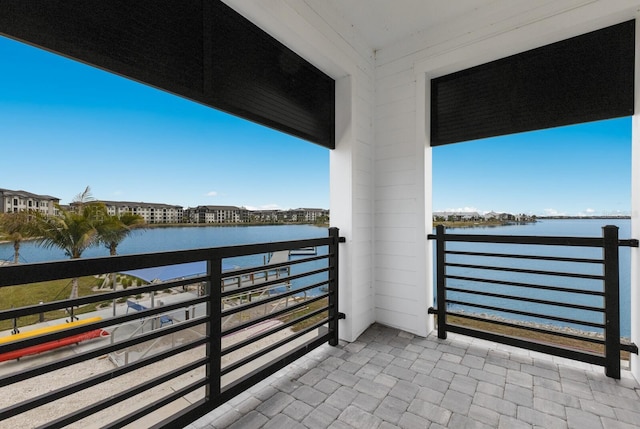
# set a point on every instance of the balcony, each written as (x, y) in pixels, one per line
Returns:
(165, 352)
(389, 378)
(176, 361)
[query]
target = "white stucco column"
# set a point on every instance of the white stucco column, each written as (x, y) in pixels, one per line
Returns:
(635, 212)
(349, 200)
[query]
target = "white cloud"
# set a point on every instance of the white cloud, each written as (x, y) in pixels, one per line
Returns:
(212, 194)
(553, 212)
(464, 209)
(589, 211)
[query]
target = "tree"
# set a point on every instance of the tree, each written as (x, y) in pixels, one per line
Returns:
(73, 230)
(15, 228)
(114, 229)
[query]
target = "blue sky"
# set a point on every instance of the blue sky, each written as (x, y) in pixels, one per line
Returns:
(65, 125)
(575, 170)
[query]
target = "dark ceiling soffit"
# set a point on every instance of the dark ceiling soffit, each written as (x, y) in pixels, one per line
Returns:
(200, 50)
(582, 79)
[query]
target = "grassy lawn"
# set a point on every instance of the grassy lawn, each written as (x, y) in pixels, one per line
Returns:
(34, 293)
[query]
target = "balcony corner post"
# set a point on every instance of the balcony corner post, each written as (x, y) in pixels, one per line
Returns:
(441, 299)
(612, 301)
(334, 233)
(214, 328)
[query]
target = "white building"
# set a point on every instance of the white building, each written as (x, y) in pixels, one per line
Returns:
(152, 213)
(217, 214)
(19, 201)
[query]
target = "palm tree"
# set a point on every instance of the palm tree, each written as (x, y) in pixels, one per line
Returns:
(115, 229)
(15, 228)
(73, 230)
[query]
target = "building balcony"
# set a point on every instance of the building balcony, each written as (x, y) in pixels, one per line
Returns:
(389, 378)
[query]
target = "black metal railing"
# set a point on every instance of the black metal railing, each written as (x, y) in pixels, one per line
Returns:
(535, 291)
(208, 336)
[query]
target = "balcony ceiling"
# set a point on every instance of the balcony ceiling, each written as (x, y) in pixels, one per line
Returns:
(383, 23)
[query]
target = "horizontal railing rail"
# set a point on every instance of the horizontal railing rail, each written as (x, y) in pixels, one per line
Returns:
(267, 325)
(469, 286)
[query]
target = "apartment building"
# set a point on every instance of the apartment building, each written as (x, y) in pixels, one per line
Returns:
(152, 213)
(307, 215)
(17, 201)
(216, 214)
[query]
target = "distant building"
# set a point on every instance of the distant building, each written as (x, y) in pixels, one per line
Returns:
(456, 216)
(216, 214)
(267, 216)
(307, 215)
(18, 201)
(152, 213)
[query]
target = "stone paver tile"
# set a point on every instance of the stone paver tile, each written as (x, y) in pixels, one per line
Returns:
(343, 378)
(386, 380)
(369, 371)
(372, 388)
(484, 415)
(350, 367)
(557, 397)
(327, 386)
(431, 355)
(464, 384)
(429, 411)
(518, 395)
(341, 397)
(489, 377)
(275, 404)
(541, 372)
(391, 409)
(549, 407)
(298, 410)
(507, 422)
(366, 402)
(282, 421)
(404, 390)
(538, 418)
(455, 368)
(471, 361)
(490, 389)
(630, 403)
(627, 416)
(578, 419)
(400, 372)
(250, 421)
(615, 424)
(313, 376)
(496, 404)
(577, 389)
(460, 421)
(520, 378)
(597, 408)
(412, 421)
(381, 359)
(442, 374)
(422, 366)
(456, 402)
(451, 358)
(429, 395)
(309, 395)
(358, 418)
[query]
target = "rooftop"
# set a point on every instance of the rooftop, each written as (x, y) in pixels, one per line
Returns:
(389, 378)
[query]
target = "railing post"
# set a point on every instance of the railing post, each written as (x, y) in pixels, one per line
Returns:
(214, 327)
(334, 233)
(441, 293)
(611, 301)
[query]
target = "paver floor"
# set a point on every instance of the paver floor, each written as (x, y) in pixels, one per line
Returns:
(391, 379)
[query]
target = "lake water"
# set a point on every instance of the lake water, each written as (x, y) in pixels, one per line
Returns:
(181, 238)
(555, 227)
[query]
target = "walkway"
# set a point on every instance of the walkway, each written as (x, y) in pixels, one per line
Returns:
(392, 379)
